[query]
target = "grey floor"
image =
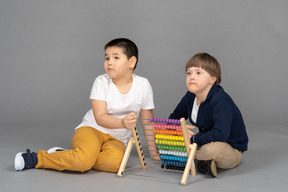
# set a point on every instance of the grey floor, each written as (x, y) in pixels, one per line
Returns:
(264, 166)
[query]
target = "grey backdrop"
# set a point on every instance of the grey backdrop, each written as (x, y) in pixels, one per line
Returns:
(52, 50)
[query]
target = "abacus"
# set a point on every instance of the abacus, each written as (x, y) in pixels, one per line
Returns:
(133, 140)
(176, 152)
(171, 138)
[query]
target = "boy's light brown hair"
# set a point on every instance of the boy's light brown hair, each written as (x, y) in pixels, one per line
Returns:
(206, 62)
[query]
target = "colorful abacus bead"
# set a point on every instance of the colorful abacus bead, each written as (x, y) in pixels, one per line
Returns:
(170, 143)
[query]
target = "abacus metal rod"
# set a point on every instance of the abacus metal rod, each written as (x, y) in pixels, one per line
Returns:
(145, 119)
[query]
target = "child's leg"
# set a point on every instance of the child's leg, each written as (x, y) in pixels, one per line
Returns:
(224, 155)
(111, 155)
(86, 145)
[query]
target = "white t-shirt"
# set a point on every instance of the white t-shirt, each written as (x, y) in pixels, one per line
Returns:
(195, 109)
(140, 96)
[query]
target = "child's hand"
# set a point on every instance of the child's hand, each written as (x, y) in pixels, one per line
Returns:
(191, 133)
(190, 127)
(155, 156)
(130, 121)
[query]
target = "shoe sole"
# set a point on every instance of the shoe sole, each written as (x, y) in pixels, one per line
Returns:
(54, 149)
(19, 162)
(213, 168)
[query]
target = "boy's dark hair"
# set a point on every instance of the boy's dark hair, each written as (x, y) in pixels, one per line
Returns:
(206, 62)
(129, 47)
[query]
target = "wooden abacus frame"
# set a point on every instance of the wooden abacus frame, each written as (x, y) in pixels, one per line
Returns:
(133, 140)
(190, 149)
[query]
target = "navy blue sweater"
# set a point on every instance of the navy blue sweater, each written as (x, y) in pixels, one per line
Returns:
(219, 119)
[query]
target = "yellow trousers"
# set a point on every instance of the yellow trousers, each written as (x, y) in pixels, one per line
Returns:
(90, 149)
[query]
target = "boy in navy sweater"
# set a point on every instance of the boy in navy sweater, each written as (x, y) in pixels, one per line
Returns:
(222, 136)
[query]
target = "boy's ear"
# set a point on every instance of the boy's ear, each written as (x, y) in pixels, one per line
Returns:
(132, 62)
(213, 80)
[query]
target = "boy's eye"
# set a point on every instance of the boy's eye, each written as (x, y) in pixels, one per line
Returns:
(106, 58)
(198, 73)
(117, 58)
(188, 73)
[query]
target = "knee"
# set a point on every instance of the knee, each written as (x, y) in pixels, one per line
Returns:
(109, 162)
(83, 166)
(84, 162)
(114, 162)
(212, 150)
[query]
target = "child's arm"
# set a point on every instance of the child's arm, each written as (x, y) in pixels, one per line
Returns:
(149, 133)
(222, 122)
(181, 110)
(103, 119)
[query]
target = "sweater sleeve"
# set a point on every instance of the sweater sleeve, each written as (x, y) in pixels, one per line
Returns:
(181, 109)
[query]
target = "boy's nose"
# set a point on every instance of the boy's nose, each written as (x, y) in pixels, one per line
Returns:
(110, 62)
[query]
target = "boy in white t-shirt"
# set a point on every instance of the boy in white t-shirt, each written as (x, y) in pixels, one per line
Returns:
(117, 97)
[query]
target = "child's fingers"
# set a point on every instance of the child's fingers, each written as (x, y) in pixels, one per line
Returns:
(190, 127)
(191, 133)
(130, 120)
(133, 115)
(156, 158)
(130, 124)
